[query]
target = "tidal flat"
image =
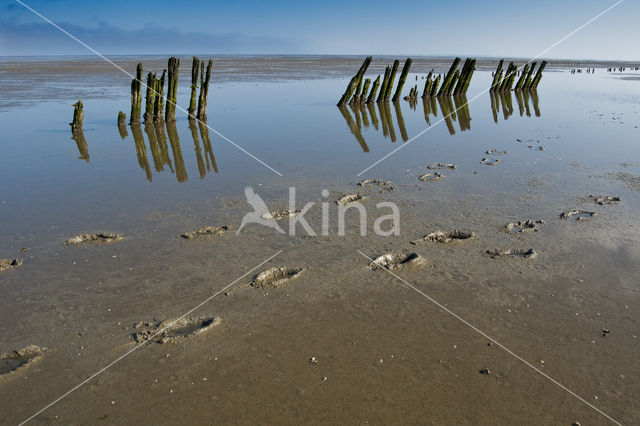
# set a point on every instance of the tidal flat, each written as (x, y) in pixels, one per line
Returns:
(341, 342)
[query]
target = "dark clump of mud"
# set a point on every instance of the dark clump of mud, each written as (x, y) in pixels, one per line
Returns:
(441, 166)
(349, 198)
(8, 264)
(385, 185)
(430, 177)
(446, 236)
(521, 253)
(579, 215)
(523, 226)
(604, 199)
(276, 276)
(396, 260)
(206, 231)
(496, 152)
(490, 162)
(10, 362)
(281, 214)
(98, 238)
(172, 330)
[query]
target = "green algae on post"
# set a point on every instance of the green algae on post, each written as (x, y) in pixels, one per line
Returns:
(78, 115)
(195, 68)
(136, 96)
(172, 89)
(204, 91)
(403, 77)
(355, 80)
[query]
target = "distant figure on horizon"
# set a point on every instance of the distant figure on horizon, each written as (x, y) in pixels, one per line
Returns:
(260, 213)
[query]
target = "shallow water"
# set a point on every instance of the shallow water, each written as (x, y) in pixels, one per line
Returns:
(81, 301)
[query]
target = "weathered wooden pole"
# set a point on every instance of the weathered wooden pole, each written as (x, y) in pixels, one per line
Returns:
(449, 77)
(78, 116)
(467, 82)
(365, 89)
(195, 68)
(463, 76)
(427, 85)
(536, 80)
(403, 77)
(497, 77)
(374, 89)
(355, 80)
(204, 91)
(158, 107)
(434, 88)
(122, 118)
(385, 83)
(136, 96)
(529, 78)
(392, 77)
(150, 98)
(452, 83)
(508, 77)
(172, 89)
(523, 77)
(356, 93)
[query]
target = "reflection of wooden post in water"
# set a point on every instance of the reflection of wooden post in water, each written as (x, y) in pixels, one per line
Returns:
(434, 106)
(462, 106)
(353, 127)
(174, 140)
(372, 113)
(386, 109)
(495, 105)
(534, 100)
(197, 149)
(153, 146)
(507, 104)
(208, 147)
(520, 102)
(383, 118)
(400, 118)
(78, 137)
(446, 113)
(356, 113)
(526, 103)
(426, 107)
(161, 137)
(141, 149)
(363, 111)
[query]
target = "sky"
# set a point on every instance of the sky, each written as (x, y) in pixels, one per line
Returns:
(498, 28)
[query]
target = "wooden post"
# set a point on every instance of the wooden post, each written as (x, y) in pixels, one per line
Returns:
(529, 78)
(467, 82)
(463, 76)
(449, 77)
(195, 68)
(374, 89)
(150, 98)
(355, 80)
(434, 88)
(136, 96)
(122, 118)
(536, 80)
(385, 83)
(427, 85)
(204, 91)
(497, 77)
(78, 116)
(365, 89)
(523, 77)
(392, 77)
(158, 108)
(403, 77)
(452, 83)
(172, 89)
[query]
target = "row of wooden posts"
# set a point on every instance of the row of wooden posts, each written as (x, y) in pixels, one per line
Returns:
(456, 82)
(155, 109)
(503, 80)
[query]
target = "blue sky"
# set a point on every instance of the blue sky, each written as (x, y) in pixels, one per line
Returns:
(456, 27)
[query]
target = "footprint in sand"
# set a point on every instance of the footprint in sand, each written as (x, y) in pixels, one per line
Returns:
(440, 166)
(206, 231)
(521, 253)
(604, 199)
(171, 331)
(396, 260)
(490, 162)
(446, 236)
(8, 264)
(579, 215)
(385, 185)
(523, 226)
(11, 362)
(98, 238)
(430, 177)
(349, 198)
(275, 277)
(496, 152)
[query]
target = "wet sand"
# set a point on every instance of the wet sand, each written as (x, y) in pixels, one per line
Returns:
(342, 343)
